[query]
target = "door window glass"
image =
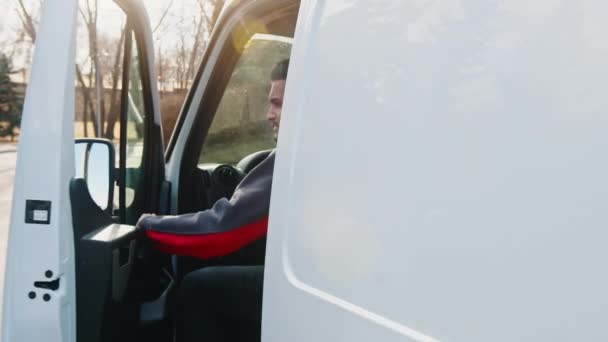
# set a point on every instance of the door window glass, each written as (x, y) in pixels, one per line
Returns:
(239, 126)
(135, 132)
(136, 111)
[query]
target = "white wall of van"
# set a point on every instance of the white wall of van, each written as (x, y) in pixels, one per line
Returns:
(441, 174)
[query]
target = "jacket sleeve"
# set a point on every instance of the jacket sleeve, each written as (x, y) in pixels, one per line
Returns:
(223, 229)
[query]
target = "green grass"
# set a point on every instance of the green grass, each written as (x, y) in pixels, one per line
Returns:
(231, 151)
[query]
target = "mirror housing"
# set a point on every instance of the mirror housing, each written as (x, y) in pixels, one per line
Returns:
(95, 163)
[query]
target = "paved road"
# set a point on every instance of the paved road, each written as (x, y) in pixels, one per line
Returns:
(7, 172)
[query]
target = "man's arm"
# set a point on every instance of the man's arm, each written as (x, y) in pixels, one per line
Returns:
(225, 228)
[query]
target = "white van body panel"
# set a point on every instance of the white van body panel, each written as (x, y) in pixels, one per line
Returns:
(45, 165)
(441, 174)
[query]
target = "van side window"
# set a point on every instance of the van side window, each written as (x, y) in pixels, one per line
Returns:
(239, 126)
(93, 118)
(98, 92)
(120, 115)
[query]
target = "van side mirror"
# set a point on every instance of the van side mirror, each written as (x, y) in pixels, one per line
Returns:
(95, 163)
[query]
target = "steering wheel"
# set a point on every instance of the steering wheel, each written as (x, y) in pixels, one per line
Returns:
(225, 178)
(251, 161)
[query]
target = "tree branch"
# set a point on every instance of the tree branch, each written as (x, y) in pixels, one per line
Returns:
(217, 10)
(201, 5)
(27, 21)
(114, 101)
(86, 94)
(162, 17)
(83, 15)
(89, 9)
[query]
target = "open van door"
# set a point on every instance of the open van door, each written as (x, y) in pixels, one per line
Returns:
(72, 251)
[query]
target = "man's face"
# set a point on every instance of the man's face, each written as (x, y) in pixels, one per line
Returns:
(275, 100)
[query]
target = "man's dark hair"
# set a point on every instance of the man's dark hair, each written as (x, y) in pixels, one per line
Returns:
(279, 72)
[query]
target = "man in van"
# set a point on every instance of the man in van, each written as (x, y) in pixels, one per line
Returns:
(223, 303)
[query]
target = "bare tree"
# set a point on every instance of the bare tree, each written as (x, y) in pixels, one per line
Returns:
(26, 33)
(105, 63)
(88, 102)
(193, 36)
(164, 67)
(115, 77)
(162, 17)
(28, 22)
(197, 47)
(205, 21)
(217, 6)
(181, 56)
(175, 63)
(90, 20)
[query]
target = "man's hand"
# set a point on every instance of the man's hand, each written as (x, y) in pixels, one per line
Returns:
(141, 224)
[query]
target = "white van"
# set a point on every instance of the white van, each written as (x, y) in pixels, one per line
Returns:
(441, 174)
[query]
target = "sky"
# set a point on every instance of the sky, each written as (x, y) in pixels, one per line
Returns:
(180, 16)
(9, 20)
